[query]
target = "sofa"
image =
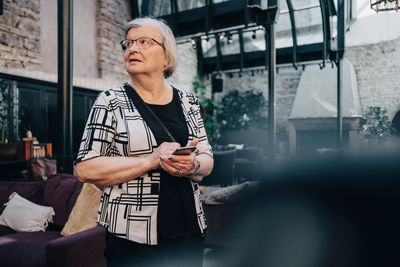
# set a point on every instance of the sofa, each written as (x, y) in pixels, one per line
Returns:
(49, 247)
(224, 208)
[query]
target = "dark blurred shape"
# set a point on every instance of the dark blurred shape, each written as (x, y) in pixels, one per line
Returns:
(396, 123)
(217, 84)
(338, 210)
(223, 172)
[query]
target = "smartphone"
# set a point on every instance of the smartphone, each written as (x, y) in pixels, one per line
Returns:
(186, 150)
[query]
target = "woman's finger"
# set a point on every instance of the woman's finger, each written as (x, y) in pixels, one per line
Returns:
(177, 168)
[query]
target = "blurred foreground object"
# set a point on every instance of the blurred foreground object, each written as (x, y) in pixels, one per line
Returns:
(336, 211)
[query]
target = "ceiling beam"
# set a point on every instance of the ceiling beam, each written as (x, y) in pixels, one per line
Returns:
(217, 16)
(305, 53)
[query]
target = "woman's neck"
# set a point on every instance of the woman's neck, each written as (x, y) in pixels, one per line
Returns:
(152, 91)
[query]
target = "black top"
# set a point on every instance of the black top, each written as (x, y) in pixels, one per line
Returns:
(176, 208)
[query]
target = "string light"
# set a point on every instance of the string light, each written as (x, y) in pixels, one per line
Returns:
(222, 36)
(193, 42)
(254, 36)
(230, 40)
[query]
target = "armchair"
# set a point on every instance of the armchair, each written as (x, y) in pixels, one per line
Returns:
(223, 172)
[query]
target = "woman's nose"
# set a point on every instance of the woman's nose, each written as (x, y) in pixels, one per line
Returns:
(134, 47)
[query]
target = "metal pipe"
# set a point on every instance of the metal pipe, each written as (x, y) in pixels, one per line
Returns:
(241, 44)
(339, 121)
(340, 53)
(270, 29)
(299, 9)
(219, 53)
(235, 29)
(324, 31)
(64, 84)
(294, 32)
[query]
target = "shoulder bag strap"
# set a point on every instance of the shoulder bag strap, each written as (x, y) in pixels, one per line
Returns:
(134, 95)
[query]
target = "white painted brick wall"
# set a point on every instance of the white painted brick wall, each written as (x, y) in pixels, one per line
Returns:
(378, 70)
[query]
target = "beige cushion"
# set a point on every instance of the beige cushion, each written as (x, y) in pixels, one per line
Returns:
(22, 215)
(84, 214)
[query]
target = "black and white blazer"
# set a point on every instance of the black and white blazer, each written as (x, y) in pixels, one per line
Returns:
(115, 128)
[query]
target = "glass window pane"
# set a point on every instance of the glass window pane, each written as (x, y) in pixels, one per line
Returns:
(254, 40)
(283, 31)
(190, 4)
(308, 26)
(155, 8)
(209, 48)
(304, 3)
(283, 6)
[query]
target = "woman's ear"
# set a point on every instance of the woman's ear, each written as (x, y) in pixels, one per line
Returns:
(166, 62)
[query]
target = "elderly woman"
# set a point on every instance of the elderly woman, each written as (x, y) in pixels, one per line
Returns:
(150, 203)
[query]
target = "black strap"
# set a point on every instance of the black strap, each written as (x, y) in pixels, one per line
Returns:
(135, 96)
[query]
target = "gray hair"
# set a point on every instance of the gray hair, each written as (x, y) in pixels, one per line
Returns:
(167, 39)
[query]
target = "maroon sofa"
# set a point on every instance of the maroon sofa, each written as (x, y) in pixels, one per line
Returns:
(49, 248)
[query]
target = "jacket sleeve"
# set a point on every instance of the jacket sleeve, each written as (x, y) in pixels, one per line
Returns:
(98, 136)
(203, 146)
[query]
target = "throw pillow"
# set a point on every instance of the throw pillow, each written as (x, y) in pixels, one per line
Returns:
(237, 146)
(41, 168)
(84, 213)
(22, 215)
(230, 193)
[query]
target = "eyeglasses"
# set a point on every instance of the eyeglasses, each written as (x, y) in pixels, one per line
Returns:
(142, 43)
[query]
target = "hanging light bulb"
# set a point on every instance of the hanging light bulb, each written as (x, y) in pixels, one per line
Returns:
(222, 36)
(230, 40)
(254, 36)
(193, 42)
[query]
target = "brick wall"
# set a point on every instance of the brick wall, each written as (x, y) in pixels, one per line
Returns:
(111, 18)
(187, 69)
(377, 69)
(20, 34)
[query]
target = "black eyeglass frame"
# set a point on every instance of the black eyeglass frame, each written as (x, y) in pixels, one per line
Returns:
(124, 47)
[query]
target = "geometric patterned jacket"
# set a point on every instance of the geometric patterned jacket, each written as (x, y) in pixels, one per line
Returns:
(115, 128)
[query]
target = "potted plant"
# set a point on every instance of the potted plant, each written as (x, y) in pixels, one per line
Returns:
(9, 149)
(243, 110)
(376, 126)
(208, 110)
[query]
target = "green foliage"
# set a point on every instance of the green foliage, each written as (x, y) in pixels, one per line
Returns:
(208, 108)
(243, 110)
(376, 125)
(4, 100)
(7, 106)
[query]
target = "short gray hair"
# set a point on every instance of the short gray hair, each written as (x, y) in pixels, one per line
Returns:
(167, 39)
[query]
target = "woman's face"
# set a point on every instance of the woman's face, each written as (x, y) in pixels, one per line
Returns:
(149, 61)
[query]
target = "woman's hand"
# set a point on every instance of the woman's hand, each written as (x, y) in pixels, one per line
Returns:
(163, 151)
(180, 165)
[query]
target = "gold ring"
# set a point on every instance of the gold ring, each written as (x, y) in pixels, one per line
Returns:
(177, 172)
